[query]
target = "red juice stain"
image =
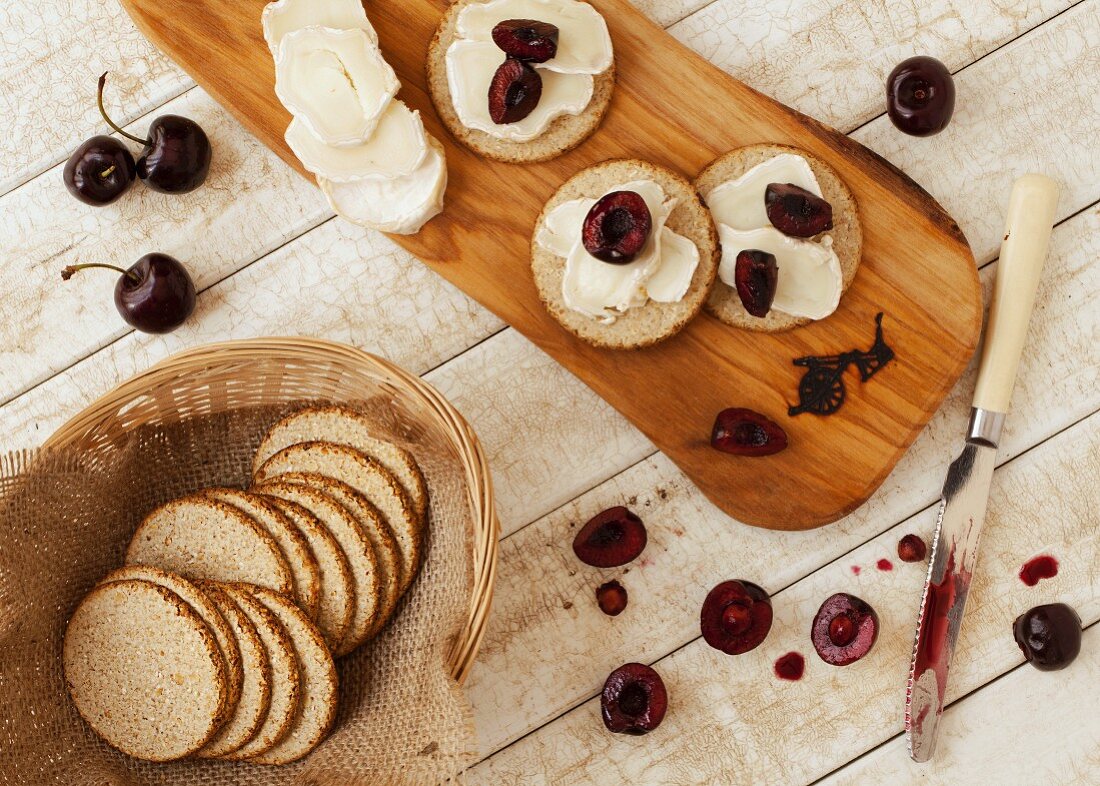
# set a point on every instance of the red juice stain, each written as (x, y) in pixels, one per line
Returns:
(884, 564)
(855, 570)
(931, 650)
(1037, 568)
(790, 666)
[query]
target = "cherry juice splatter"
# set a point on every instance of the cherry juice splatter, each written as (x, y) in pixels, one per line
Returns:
(790, 666)
(1037, 568)
(884, 564)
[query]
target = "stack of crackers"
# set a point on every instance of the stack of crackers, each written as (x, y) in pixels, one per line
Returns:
(217, 637)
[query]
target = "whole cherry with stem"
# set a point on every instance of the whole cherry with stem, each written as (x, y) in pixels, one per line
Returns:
(99, 171)
(177, 154)
(155, 295)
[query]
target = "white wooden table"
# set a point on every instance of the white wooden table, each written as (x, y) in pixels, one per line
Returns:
(271, 260)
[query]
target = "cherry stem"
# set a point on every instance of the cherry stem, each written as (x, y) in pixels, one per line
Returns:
(69, 271)
(108, 120)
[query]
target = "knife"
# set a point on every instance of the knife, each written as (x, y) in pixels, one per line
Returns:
(966, 489)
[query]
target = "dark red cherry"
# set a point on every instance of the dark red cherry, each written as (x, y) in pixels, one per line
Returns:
(610, 539)
(617, 227)
(514, 92)
(912, 548)
(634, 700)
(920, 96)
(177, 156)
(1049, 636)
(177, 153)
(742, 432)
(797, 212)
(736, 617)
(527, 39)
(611, 598)
(100, 171)
(756, 276)
(155, 295)
(844, 629)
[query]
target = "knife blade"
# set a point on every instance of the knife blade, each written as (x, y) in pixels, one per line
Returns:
(965, 494)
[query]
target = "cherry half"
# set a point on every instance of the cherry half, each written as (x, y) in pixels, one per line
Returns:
(155, 295)
(634, 700)
(100, 171)
(527, 39)
(796, 212)
(844, 629)
(617, 227)
(912, 548)
(736, 617)
(756, 275)
(920, 96)
(177, 153)
(514, 92)
(610, 539)
(742, 432)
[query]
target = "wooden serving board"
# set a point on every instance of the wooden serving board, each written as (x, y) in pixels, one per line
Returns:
(673, 108)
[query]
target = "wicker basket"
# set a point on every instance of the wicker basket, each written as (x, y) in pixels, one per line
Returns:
(221, 377)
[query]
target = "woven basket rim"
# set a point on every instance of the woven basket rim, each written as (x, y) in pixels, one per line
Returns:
(486, 525)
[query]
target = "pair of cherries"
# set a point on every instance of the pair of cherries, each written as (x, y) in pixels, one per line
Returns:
(156, 294)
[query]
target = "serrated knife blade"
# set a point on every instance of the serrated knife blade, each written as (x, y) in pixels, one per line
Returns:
(966, 489)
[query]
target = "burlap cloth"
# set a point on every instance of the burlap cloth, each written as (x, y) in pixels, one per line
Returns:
(65, 520)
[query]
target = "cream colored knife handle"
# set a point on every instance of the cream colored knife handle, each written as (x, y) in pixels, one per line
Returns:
(1027, 235)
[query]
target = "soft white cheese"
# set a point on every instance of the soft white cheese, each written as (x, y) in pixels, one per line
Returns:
(401, 205)
(397, 148)
(661, 272)
(470, 69)
(810, 278)
(286, 16)
(584, 44)
(739, 204)
(335, 82)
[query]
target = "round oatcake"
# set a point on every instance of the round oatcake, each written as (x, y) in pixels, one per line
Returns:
(653, 322)
(847, 232)
(340, 609)
(251, 710)
(206, 538)
(366, 476)
(331, 560)
(318, 696)
(302, 562)
(144, 670)
(197, 599)
(562, 135)
(285, 677)
(387, 555)
(344, 426)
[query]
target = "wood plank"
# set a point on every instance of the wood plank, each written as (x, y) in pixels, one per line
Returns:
(1012, 139)
(41, 220)
(250, 205)
(916, 264)
(49, 63)
(731, 721)
(322, 284)
(534, 666)
(1025, 726)
(830, 59)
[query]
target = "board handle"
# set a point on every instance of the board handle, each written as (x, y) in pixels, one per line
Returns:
(1023, 254)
